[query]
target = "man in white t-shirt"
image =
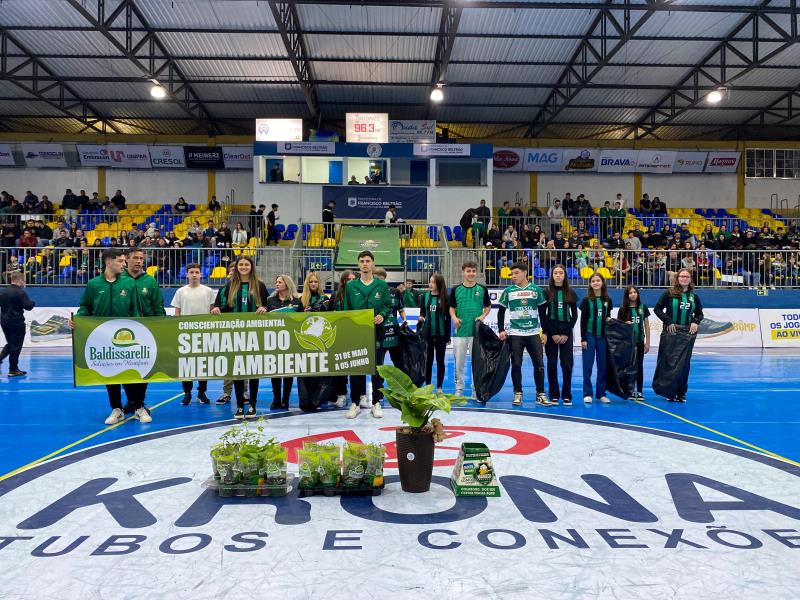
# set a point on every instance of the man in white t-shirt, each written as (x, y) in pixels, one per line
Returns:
(193, 299)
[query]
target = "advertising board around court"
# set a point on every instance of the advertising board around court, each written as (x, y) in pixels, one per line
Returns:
(229, 346)
(780, 328)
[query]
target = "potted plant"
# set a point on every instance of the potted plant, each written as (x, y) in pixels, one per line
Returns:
(416, 440)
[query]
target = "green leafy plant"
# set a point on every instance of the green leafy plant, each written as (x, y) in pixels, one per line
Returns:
(416, 404)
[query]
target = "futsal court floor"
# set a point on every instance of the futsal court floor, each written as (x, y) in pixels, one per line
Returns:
(624, 500)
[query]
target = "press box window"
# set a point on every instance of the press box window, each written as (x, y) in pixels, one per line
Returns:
(322, 170)
(367, 171)
(461, 172)
(279, 169)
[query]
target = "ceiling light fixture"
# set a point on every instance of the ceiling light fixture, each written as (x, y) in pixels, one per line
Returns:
(716, 96)
(158, 91)
(437, 95)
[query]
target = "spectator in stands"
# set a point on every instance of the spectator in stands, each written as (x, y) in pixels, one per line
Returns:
(30, 202)
(685, 233)
(83, 200)
(328, 217)
(391, 214)
(615, 242)
(658, 268)
(45, 206)
(618, 216)
(558, 241)
(597, 257)
(584, 208)
(110, 210)
(792, 270)
(509, 236)
(502, 215)
(581, 256)
(658, 207)
(63, 240)
(71, 205)
(353, 181)
(171, 238)
(182, 206)
(555, 214)
(118, 200)
(541, 242)
(534, 213)
(605, 219)
(703, 264)
(634, 242)
(707, 237)
(213, 205)
(651, 238)
(672, 264)
(568, 205)
(239, 235)
(27, 240)
(583, 233)
(526, 238)
(256, 221)
(150, 232)
(275, 173)
(493, 237)
(225, 237)
(13, 266)
(465, 223)
(645, 206)
(271, 221)
(43, 233)
(122, 238)
(94, 204)
(483, 214)
(367, 180)
(766, 237)
(210, 233)
(517, 216)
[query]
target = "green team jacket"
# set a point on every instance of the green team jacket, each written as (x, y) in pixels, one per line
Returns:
(151, 302)
(376, 296)
(103, 298)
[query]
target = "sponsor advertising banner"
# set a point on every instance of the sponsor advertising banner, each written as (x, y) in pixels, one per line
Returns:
(237, 157)
(6, 155)
(47, 328)
(412, 132)
(92, 155)
(383, 242)
(125, 156)
(167, 157)
(722, 162)
(542, 159)
(580, 159)
(507, 160)
(306, 147)
(367, 128)
(690, 162)
(441, 149)
(204, 157)
(243, 346)
(44, 155)
(780, 328)
(618, 161)
(372, 202)
(655, 161)
(279, 130)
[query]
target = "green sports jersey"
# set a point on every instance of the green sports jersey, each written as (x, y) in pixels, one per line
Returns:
(682, 309)
(358, 296)
(639, 315)
(522, 304)
(390, 329)
(151, 301)
(103, 298)
(468, 304)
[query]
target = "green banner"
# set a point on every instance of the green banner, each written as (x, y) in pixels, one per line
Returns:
(230, 346)
(383, 242)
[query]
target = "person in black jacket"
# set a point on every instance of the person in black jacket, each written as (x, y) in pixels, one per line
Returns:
(434, 316)
(13, 302)
(558, 317)
(595, 312)
(283, 299)
(244, 293)
(328, 218)
(679, 305)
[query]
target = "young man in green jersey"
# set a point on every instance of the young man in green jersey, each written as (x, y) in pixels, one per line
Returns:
(367, 292)
(111, 295)
(151, 304)
(522, 300)
(469, 302)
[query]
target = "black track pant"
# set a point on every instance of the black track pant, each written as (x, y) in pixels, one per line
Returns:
(559, 353)
(238, 388)
(437, 344)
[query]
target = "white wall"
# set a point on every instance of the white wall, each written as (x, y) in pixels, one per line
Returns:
(692, 190)
(757, 192)
(511, 187)
(48, 182)
(358, 167)
(239, 181)
(597, 187)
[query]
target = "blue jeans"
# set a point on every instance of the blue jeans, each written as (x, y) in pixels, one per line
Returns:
(595, 352)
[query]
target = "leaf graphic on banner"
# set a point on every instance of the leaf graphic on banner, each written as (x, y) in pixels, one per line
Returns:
(309, 342)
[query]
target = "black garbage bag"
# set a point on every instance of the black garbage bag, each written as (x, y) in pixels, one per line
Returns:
(323, 305)
(674, 357)
(414, 347)
(314, 391)
(491, 360)
(620, 359)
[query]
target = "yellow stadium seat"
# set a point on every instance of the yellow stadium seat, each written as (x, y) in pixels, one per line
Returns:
(505, 273)
(152, 270)
(65, 261)
(587, 272)
(219, 273)
(604, 272)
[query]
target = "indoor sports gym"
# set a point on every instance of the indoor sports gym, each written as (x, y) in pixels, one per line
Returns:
(466, 298)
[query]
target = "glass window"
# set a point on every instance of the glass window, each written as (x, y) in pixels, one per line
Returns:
(787, 164)
(277, 169)
(461, 172)
(367, 171)
(411, 171)
(322, 170)
(760, 163)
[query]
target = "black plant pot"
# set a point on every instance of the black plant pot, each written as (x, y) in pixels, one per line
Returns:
(415, 460)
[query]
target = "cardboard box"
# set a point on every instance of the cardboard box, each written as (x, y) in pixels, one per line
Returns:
(474, 473)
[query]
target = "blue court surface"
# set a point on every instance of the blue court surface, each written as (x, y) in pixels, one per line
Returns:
(695, 501)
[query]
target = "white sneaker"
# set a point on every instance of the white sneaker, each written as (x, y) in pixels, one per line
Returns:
(517, 399)
(115, 417)
(364, 403)
(377, 411)
(352, 413)
(605, 400)
(340, 400)
(143, 415)
(587, 399)
(459, 392)
(439, 391)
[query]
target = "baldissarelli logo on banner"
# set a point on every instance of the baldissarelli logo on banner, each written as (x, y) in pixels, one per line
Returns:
(244, 346)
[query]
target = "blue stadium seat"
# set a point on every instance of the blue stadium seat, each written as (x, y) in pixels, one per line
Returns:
(448, 233)
(182, 272)
(106, 241)
(458, 233)
(572, 273)
(212, 260)
(280, 228)
(539, 273)
(192, 208)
